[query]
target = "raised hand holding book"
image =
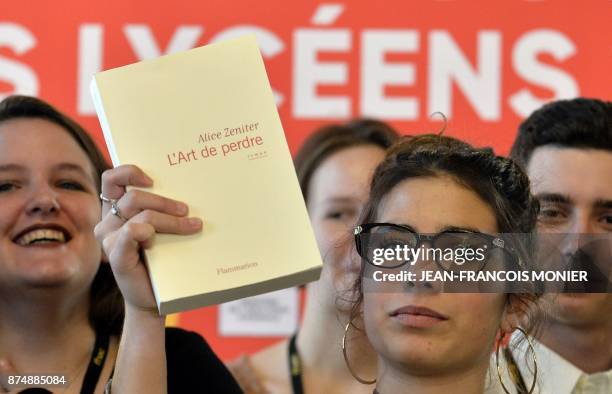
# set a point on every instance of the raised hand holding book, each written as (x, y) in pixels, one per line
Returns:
(203, 124)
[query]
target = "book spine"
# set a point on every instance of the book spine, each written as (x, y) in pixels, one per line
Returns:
(108, 136)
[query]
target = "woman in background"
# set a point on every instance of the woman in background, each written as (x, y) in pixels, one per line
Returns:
(334, 167)
(429, 341)
(61, 310)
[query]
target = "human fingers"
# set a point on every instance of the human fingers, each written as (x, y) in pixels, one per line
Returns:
(115, 180)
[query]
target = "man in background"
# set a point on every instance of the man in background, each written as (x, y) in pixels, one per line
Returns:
(566, 149)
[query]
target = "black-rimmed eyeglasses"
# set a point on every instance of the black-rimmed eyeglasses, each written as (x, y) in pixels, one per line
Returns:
(452, 250)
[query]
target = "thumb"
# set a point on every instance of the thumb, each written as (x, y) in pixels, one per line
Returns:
(6, 369)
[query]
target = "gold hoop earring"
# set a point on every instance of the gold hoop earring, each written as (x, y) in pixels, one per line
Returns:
(346, 360)
(513, 368)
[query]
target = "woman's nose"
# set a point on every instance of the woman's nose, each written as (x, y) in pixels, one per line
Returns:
(424, 270)
(43, 201)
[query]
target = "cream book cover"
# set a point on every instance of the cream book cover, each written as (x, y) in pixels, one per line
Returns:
(204, 125)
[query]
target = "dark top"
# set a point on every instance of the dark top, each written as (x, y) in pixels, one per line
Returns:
(193, 367)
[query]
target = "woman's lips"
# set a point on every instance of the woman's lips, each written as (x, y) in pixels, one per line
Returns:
(417, 316)
(43, 234)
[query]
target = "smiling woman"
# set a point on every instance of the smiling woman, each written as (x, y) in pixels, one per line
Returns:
(55, 298)
(49, 176)
(61, 308)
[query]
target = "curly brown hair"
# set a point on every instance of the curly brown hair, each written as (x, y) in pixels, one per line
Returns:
(497, 180)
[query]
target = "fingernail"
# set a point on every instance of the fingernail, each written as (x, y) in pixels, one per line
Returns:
(195, 222)
(181, 208)
(146, 180)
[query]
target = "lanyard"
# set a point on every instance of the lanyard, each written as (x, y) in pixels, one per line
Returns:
(94, 369)
(96, 363)
(295, 367)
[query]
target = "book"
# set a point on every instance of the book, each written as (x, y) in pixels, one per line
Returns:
(203, 125)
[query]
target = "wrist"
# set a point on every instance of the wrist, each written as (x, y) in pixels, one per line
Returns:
(143, 315)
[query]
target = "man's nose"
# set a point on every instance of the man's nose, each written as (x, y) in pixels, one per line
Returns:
(578, 233)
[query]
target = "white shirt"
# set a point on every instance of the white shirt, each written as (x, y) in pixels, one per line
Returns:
(556, 375)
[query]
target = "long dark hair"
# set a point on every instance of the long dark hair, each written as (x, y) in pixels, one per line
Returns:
(106, 308)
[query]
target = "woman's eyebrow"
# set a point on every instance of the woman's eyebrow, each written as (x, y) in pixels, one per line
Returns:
(404, 225)
(341, 199)
(76, 168)
(70, 167)
(460, 228)
(60, 166)
(603, 204)
(11, 167)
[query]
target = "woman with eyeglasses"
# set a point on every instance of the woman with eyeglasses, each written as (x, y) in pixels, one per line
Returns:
(334, 168)
(429, 193)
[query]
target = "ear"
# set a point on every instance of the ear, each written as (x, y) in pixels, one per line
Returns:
(515, 313)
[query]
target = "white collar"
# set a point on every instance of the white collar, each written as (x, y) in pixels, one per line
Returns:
(555, 374)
